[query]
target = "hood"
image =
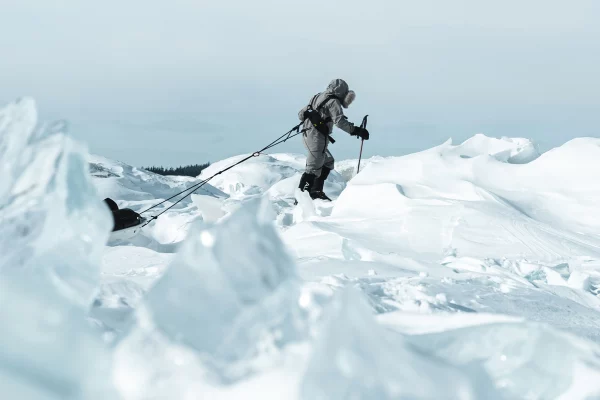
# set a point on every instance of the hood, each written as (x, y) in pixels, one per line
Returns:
(338, 87)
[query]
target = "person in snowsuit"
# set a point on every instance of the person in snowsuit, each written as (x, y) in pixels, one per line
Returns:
(318, 128)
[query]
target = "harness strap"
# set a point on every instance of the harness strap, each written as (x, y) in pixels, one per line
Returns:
(330, 97)
(318, 109)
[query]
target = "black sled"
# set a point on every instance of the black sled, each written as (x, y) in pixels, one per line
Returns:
(126, 222)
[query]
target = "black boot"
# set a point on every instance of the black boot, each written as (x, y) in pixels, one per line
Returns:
(319, 195)
(320, 181)
(317, 191)
(307, 182)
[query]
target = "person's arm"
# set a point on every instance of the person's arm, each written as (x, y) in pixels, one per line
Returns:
(338, 117)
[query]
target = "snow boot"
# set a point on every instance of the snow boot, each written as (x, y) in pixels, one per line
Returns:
(317, 190)
(307, 182)
(319, 195)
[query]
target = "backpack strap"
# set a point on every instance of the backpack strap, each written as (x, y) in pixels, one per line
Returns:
(318, 109)
(330, 97)
(328, 119)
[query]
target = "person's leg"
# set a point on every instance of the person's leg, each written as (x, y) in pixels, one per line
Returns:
(329, 161)
(317, 189)
(328, 165)
(316, 144)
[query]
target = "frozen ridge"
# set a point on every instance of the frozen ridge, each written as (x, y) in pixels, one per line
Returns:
(464, 271)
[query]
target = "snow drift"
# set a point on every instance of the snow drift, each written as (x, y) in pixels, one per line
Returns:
(522, 358)
(356, 358)
(443, 200)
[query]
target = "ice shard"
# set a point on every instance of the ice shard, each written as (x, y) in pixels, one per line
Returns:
(229, 286)
(52, 232)
(50, 216)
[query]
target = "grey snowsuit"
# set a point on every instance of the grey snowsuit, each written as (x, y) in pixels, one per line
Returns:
(315, 142)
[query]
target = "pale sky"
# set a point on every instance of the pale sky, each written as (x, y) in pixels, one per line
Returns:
(180, 82)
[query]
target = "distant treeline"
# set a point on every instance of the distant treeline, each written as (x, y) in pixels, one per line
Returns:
(188, 170)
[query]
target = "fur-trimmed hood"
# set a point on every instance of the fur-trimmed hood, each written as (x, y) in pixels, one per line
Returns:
(341, 90)
(348, 99)
(338, 87)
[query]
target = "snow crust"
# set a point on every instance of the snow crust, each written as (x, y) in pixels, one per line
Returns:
(465, 271)
(525, 359)
(355, 357)
(505, 149)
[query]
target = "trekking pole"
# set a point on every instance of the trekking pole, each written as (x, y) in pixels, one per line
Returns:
(362, 142)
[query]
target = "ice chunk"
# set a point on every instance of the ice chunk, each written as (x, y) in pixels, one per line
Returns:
(523, 358)
(52, 232)
(17, 123)
(579, 280)
(229, 286)
(347, 168)
(305, 209)
(148, 366)
(51, 216)
(356, 358)
(209, 207)
(47, 348)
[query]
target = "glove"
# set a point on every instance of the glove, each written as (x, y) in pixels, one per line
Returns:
(307, 181)
(361, 133)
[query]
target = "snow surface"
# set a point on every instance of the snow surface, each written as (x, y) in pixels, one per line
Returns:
(465, 271)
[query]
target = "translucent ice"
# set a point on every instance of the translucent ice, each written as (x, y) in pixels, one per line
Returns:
(230, 285)
(52, 232)
(51, 217)
(47, 348)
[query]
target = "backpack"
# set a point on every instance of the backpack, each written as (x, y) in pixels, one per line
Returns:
(315, 118)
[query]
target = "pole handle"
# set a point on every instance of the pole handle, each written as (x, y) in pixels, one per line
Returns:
(364, 122)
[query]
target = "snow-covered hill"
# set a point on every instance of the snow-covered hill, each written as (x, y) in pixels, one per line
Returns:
(467, 271)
